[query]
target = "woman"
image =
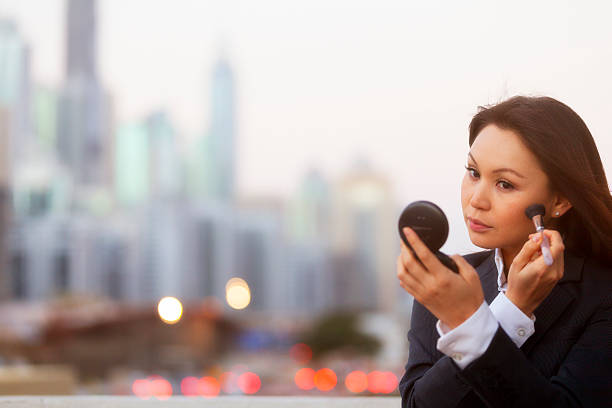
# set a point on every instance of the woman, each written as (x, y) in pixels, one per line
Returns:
(508, 330)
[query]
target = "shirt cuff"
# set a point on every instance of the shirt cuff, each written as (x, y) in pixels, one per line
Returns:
(468, 341)
(517, 325)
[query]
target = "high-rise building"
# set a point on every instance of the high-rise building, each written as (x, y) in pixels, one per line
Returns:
(364, 237)
(132, 164)
(310, 212)
(45, 105)
(15, 88)
(221, 146)
(259, 250)
(308, 261)
(81, 52)
(164, 162)
(5, 205)
(84, 111)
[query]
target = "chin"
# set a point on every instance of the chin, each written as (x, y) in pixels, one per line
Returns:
(482, 243)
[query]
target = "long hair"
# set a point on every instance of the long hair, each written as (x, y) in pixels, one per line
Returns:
(566, 151)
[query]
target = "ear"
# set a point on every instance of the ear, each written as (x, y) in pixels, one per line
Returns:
(561, 205)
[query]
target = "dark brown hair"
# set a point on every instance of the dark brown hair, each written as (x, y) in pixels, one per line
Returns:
(566, 151)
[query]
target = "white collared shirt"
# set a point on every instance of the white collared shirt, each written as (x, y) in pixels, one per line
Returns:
(470, 339)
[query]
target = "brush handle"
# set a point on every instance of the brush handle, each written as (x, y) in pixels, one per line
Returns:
(545, 246)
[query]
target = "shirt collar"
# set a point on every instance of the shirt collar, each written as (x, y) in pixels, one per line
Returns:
(502, 283)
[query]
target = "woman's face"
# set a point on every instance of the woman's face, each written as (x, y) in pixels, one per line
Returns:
(503, 178)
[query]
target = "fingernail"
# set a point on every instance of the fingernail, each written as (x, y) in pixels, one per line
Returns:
(534, 238)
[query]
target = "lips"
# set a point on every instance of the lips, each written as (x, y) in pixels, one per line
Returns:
(478, 222)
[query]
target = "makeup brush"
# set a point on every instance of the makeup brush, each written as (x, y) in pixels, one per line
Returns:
(535, 212)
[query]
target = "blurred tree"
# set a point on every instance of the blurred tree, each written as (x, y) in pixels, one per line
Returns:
(339, 332)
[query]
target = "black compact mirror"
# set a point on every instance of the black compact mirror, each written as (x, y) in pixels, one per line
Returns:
(430, 224)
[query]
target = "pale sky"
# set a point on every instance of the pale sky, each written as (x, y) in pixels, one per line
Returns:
(321, 82)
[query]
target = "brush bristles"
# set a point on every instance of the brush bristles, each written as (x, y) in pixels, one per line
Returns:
(535, 209)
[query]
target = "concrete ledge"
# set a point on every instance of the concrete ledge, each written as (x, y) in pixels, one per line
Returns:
(186, 402)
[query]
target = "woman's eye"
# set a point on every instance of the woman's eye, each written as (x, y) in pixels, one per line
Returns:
(474, 175)
(472, 171)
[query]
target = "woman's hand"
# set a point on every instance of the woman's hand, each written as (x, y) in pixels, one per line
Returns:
(449, 296)
(530, 280)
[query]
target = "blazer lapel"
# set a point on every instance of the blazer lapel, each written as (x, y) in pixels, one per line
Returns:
(556, 302)
(487, 271)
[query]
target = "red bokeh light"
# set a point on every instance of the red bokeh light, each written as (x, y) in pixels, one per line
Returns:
(304, 378)
(382, 382)
(142, 388)
(189, 386)
(375, 382)
(249, 383)
(356, 381)
(208, 387)
(162, 389)
(325, 379)
(390, 382)
(301, 353)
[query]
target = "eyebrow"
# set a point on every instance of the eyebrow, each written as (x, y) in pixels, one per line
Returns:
(499, 170)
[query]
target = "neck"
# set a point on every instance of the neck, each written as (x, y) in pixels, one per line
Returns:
(508, 254)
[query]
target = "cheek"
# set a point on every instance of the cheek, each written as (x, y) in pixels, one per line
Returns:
(511, 217)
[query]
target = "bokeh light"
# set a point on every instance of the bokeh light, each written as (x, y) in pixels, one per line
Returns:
(161, 388)
(301, 353)
(189, 386)
(237, 293)
(249, 383)
(142, 388)
(208, 387)
(382, 382)
(390, 382)
(375, 382)
(304, 378)
(170, 309)
(356, 381)
(325, 379)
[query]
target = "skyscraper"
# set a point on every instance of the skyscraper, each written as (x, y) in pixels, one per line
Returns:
(164, 160)
(15, 87)
(5, 279)
(363, 225)
(81, 58)
(222, 133)
(84, 109)
(132, 164)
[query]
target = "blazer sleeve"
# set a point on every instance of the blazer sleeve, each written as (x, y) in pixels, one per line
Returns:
(504, 377)
(431, 379)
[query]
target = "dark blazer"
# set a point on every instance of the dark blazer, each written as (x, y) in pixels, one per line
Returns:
(567, 362)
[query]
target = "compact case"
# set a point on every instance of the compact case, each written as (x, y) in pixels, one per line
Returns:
(429, 222)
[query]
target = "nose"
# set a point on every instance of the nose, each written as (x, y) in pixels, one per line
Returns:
(480, 199)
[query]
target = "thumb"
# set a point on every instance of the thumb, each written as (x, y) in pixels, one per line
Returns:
(466, 270)
(527, 253)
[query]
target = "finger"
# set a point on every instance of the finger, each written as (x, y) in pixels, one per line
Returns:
(412, 265)
(557, 248)
(406, 280)
(556, 242)
(529, 249)
(431, 263)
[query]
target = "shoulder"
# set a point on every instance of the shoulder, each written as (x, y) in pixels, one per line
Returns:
(597, 276)
(589, 279)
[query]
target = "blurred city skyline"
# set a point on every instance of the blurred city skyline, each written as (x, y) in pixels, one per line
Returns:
(320, 84)
(108, 207)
